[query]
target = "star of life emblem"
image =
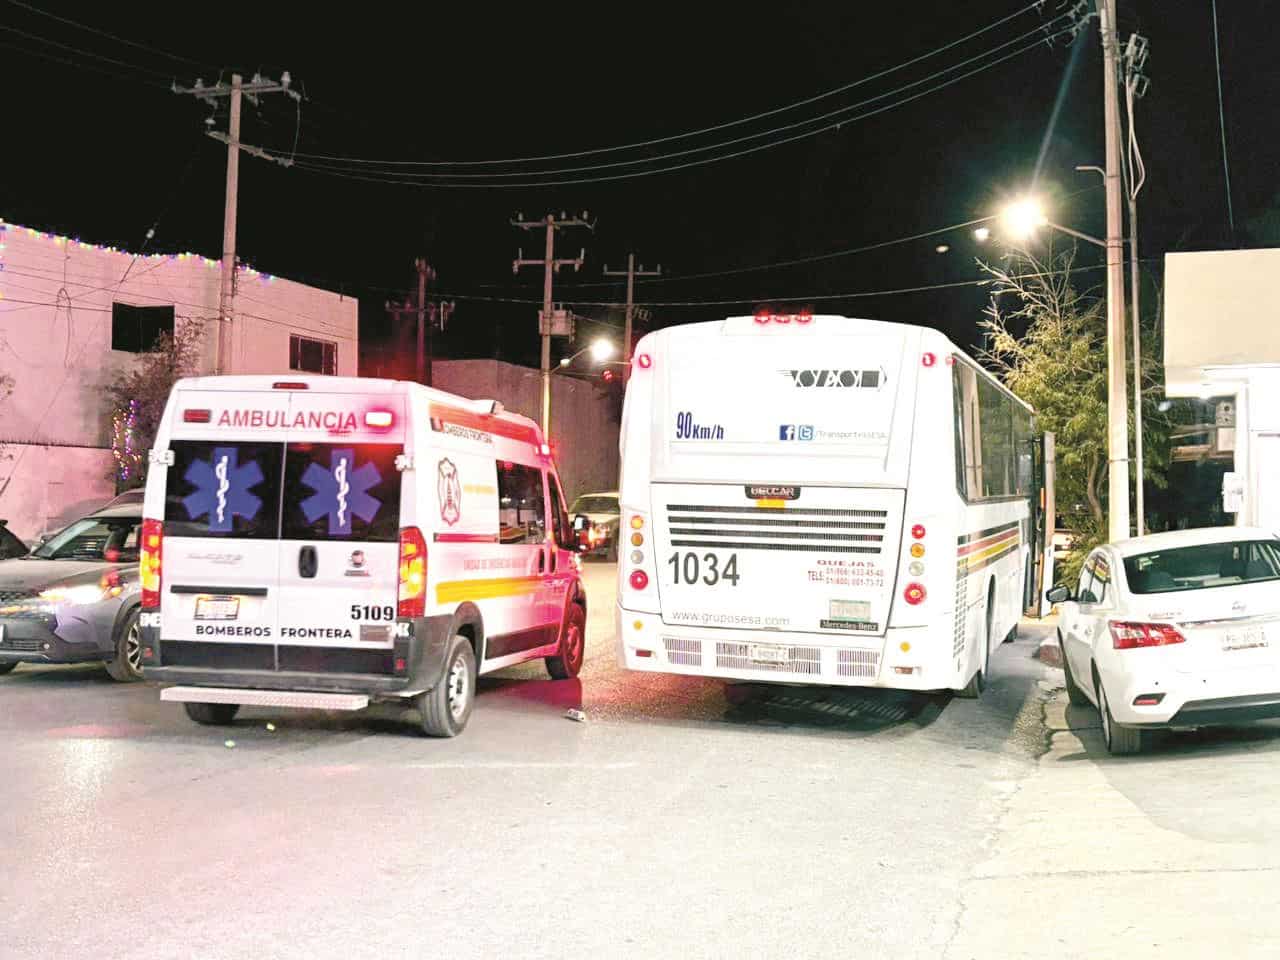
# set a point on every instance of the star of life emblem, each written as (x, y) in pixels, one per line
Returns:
(450, 492)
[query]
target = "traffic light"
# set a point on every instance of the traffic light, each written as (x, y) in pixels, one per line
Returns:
(607, 376)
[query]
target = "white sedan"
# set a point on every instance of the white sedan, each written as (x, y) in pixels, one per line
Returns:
(1176, 629)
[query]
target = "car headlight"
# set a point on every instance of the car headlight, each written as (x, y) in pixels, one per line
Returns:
(80, 595)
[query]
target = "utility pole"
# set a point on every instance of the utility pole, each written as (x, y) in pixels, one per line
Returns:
(422, 361)
(631, 273)
(1136, 84)
(233, 91)
(546, 320)
(1117, 407)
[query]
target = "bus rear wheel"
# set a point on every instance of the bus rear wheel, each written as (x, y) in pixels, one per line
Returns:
(978, 682)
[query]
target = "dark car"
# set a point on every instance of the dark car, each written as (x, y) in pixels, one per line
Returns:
(75, 598)
(10, 545)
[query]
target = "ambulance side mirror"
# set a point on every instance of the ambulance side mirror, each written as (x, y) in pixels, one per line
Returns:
(1058, 595)
(581, 522)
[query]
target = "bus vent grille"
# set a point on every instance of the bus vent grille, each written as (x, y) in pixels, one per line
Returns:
(962, 599)
(806, 661)
(858, 663)
(683, 651)
(817, 530)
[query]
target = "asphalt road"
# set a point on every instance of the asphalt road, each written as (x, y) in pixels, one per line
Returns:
(673, 822)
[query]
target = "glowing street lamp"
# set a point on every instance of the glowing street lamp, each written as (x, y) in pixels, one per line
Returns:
(1022, 218)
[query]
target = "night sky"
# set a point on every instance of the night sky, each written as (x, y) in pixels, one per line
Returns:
(100, 150)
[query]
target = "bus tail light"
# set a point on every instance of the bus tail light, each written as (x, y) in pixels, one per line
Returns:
(914, 594)
(411, 594)
(1128, 636)
(150, 562)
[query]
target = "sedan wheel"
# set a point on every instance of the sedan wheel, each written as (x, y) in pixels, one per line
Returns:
(126, 664)
(1120, 741)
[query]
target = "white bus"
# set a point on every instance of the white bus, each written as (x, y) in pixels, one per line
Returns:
(823, 500)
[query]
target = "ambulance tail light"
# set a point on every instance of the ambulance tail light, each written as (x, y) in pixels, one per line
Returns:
(411, 594)
(197, 416)
(289, 385)
(644, 361)
(150, 563)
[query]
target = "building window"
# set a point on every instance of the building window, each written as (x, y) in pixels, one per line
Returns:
(136, 329)
(313, 356)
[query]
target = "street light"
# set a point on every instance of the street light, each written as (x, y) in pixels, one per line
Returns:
(1022, 217)
(601, 350)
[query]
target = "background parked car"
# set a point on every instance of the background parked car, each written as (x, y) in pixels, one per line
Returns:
(75, 598)
(599, 533)
(10, 545)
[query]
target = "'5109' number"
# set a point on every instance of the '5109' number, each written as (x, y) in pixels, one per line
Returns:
(689, 568)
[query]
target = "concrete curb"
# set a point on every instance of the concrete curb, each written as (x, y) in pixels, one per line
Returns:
(1049, 652)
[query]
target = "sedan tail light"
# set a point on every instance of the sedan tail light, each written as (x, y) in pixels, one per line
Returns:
(1126, 635)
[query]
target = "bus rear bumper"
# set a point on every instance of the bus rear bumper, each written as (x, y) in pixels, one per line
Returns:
(903, 659)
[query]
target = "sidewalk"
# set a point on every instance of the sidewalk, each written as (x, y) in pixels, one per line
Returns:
(1175, 854)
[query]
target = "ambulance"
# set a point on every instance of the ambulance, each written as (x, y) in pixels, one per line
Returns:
(327, 542)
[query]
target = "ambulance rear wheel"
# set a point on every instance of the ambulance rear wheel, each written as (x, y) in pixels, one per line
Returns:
(566, 664)
(446, 708)
(212, 714)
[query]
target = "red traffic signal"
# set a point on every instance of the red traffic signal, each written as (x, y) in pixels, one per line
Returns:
(607, 376)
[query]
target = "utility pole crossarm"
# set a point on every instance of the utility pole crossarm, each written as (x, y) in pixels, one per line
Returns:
(251, 150)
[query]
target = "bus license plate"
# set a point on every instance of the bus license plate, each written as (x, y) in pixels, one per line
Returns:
(217, 608)
(764, 654)
(850, 610)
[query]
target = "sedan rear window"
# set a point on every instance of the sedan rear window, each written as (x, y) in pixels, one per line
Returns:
(1204, 566)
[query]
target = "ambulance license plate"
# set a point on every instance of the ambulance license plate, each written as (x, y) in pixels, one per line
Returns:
(217, 608)
(768, 654)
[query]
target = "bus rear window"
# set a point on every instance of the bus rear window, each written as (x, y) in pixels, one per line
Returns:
(218, 490)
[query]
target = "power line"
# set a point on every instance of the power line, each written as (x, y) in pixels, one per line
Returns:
(394, 180)
(694, 133)
(839, 112)
(103, 33)
(857, 294)
(816, 258)
(1222, 122)
(83, 52)
(44, 55)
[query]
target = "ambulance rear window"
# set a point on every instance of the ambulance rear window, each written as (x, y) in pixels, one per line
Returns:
(342, 491)
(217, 489)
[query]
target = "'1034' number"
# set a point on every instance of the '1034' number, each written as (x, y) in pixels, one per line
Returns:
(690, 568)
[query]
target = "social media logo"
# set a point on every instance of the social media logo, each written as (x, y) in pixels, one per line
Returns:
(791, 431)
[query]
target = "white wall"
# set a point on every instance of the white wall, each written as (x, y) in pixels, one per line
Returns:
(1221, 309)
(583, 431)
(55, 342)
